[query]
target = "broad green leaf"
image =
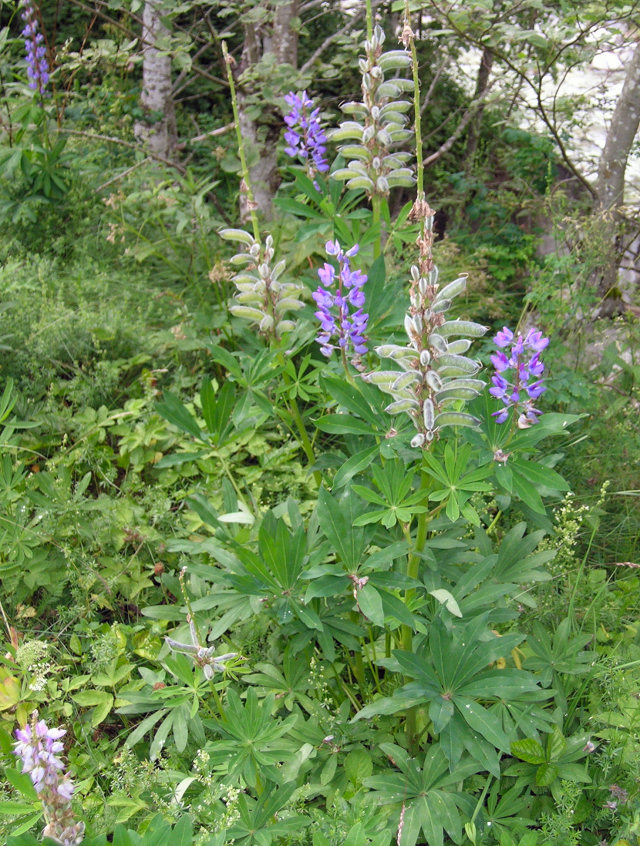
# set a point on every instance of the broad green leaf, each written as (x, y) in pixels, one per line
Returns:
(448, 600)
(483, 721)
(546, 774)
(343, 424)
(529, 750)
(336, 517)
(370, 603)
(178, 415)
(354, 465)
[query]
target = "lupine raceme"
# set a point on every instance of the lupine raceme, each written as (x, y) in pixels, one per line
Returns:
(434, 378)
(515, 369)
(38, 746)
(35, 51)
(378, 124)
(305, 136)
(342, 319)
(262, 297)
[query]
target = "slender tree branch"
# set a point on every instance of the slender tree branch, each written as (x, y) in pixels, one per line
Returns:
(329, 41)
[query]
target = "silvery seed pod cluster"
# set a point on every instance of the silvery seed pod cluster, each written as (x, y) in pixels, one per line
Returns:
(433, 377)
(378, 124)
(261, 296)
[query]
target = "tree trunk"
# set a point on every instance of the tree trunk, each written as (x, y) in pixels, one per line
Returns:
(158, 129)
(620, 138)
(482, 80)
(611, 179)
(261, 134)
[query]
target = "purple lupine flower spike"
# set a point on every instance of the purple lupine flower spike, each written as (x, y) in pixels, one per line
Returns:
(305, 136)
(515, 368)
(35, 51)
(343, 322)
(38, 747)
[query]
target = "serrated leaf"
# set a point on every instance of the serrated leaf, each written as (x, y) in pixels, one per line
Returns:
(529, 750)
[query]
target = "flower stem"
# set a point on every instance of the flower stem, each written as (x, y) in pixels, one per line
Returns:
(417, 121)
(294, 410)
(413, 567)
(251, 204)
(376, 221)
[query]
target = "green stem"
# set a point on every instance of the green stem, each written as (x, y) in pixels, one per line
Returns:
(251, 204)
(376, 221)
(417, 121)
(345, 366)
(413, 568)
(216, 696)
(294, 410)
(369, 20)
(494, 522)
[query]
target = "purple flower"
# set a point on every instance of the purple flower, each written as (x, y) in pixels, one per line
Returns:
(343, 322)
(38, 746)
(35, 51)
(515, 368)
(305, 137)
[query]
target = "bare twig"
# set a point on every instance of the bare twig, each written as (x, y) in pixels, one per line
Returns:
(329, 40)
(219, 131)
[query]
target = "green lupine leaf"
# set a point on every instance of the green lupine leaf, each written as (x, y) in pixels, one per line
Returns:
(482, 720)
(370, 603)
(178, 415)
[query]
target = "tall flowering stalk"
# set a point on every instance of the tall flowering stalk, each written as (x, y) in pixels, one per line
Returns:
(35, 51)
(342, 319)
(435, 377)
(38, 746)
(378, 124)
(262, 297)
(305, 136)
(515, 368)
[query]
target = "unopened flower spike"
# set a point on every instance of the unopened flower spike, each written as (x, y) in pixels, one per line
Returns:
(378, 124)
(262, 297)
(305, 137)
(434, 378)
(340, 300)
(39, 748)
(518, 380)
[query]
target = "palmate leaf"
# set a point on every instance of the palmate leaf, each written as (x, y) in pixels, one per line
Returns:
(426, 792)
(337, 516)
(176, 413)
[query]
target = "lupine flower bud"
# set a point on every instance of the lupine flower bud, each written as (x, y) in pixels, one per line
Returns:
(514, 371)
(341, 314)
(38, 747)
(35, 51)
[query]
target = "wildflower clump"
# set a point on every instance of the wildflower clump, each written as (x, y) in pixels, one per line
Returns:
(434, 378)
(343, 322)
(262, 297)
(38, 746)
(35, 51)
(305, 136)
(517, 363)
(378, 124)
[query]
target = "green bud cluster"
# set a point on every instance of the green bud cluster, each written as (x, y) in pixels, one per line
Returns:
(434, 377)
(377, 124)
(261, 296)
